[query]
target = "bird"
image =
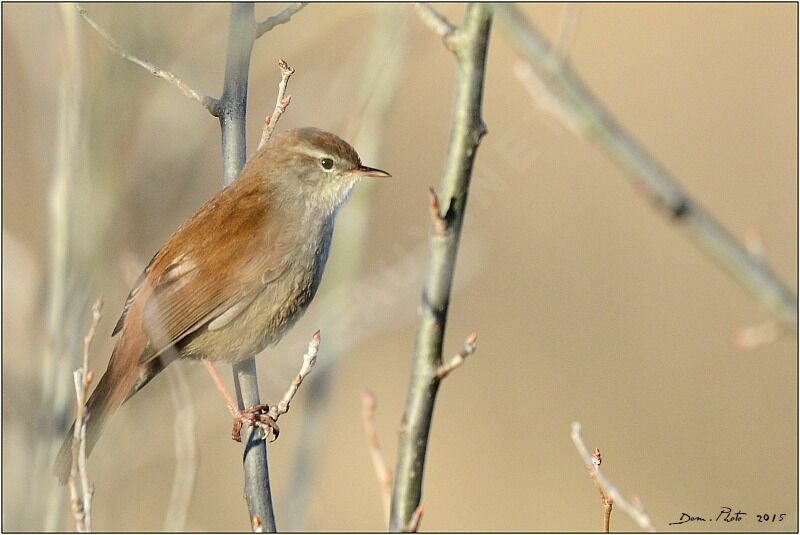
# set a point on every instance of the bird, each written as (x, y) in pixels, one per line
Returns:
(235, 276)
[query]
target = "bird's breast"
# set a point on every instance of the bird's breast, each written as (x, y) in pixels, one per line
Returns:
(278, 305)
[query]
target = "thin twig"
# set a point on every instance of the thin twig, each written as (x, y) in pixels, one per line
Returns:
(590, 118)
(80, 488)
(416, 518)
(469, 44)
(605, 501)
(470, 345)
(209, 103)
(607, 490)
(437, 22)
(281, 18)
(283, 100)
(382, 471)
(309, 360)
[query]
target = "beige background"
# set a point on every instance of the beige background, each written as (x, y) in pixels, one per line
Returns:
(588, 304)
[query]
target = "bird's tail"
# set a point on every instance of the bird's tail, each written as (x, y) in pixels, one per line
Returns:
(110, 393)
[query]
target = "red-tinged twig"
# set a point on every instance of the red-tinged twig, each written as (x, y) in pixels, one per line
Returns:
(439, 220)
(606, 501)
(416, 518)
(256, 525)
(608, 492)
(470, 345)
(382, 472)
(80, 488)
(209, 103)
(283, 100)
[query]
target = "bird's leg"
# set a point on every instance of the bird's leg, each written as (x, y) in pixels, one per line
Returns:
(256, 415)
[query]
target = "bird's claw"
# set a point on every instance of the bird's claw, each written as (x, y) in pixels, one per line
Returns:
(256, 416)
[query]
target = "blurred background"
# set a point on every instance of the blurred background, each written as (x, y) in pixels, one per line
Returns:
(589, 305)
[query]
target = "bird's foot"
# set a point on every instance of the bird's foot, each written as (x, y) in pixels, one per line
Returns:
(255, 416)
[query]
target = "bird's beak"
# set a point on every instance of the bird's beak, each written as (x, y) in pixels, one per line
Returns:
(365, 171)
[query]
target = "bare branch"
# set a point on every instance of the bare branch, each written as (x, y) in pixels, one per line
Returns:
(281, 18)
(437, 22)
(209, 103)
(80, 488)
(469, 44)
(586, 115)
(608, 492)
(383, 473)
(270, 122)
(470, 345)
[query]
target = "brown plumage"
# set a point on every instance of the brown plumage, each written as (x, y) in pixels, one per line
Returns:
(236, 275)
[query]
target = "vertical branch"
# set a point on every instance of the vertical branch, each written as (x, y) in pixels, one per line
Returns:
(469, 44)
(232, 118)
(65, 294)
(185, 451)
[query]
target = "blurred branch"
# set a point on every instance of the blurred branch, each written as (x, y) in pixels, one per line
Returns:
(81, 489)
(185, 451)
(270, 122)
(469, 44)
(608, 492)
(186, 458)
(584, 113)
(383, 473)
(206, 101)
(384, 62)
(437, 22)
(66, 286)
(281, 18)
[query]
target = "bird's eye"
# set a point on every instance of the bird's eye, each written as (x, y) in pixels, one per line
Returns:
(326, 163)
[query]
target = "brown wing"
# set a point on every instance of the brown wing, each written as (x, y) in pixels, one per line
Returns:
(214, 265)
